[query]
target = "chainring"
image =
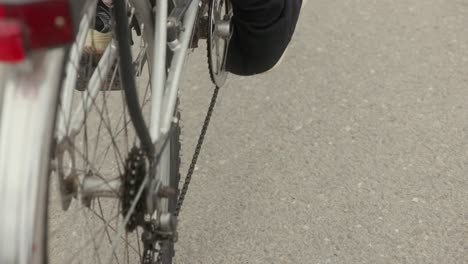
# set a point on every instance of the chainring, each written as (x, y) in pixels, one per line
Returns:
(219, 34)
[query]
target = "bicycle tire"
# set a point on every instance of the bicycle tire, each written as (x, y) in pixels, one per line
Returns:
(127, 77)
(24, 121)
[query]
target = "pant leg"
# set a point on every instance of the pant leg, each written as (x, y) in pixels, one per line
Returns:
(262, 32)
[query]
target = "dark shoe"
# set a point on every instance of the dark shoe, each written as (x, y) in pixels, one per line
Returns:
(99, 38)
(262, 32)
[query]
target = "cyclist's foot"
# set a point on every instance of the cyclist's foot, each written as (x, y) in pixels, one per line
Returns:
(97, 41)
(304, 3)
(99, 38)
(263, 30)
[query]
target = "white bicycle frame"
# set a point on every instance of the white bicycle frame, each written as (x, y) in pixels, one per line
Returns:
(164, 95)
(27, 106)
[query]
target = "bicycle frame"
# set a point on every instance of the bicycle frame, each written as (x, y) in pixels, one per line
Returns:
(165, 82)
(165, 95)
(165, 89)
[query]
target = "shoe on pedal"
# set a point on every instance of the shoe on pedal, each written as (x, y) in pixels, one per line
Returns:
(99, 38)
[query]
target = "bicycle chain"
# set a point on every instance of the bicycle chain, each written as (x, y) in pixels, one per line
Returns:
(193, 163)
(201, 139)
(196, 154)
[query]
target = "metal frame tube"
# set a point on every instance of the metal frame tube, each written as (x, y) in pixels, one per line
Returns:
(175, 72)
(158, 78)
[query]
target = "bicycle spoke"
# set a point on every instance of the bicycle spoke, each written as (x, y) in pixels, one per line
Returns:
(124, 114)
(107, 226)
(91, 167)
(138, 241)
(85, 135)
(93, 237)
(100, 121)
(107, 60)
(130, 211)
(104, 221)
(117, 152)
(97, 139)
(107, 126)
(85, 243)
(126, 249)
(126, 123)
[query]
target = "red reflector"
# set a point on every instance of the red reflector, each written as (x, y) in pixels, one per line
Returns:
(11, 41)
(48, 22)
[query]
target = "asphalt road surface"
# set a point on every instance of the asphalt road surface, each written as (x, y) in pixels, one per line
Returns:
(353, 151)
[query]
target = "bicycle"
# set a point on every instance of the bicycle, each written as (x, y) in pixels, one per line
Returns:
(74, 194)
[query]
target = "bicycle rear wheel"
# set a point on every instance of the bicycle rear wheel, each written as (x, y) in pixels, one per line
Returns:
(98, 194)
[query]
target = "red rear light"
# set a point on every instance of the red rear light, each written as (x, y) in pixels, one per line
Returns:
(46, 23)
(11, 41)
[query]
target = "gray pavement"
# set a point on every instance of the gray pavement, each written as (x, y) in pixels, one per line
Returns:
(353, 151)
